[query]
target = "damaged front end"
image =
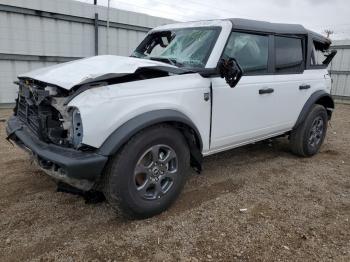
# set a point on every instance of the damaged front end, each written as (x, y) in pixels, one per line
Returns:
(52, 132)
(51, 129)
(44, 95)
(45, 109)
(41, 107)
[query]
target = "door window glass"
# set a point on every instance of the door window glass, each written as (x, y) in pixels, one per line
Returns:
(289, 54)
(250, 51)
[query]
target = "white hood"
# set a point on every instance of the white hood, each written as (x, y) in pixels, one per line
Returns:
(68, 75)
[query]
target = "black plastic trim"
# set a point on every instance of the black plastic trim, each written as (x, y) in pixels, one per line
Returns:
(310, 102)
(211, 112)
(266, 91)
(75, 164)
(120, 136)
(272, 55)
(304, 87)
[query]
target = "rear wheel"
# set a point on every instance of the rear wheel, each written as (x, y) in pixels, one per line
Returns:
(147, 175)
(307, 139)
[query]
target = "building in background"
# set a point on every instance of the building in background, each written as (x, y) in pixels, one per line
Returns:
(340, 71)
(39, 33)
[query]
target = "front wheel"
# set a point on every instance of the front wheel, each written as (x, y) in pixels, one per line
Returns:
(307, 139)
(147, 175)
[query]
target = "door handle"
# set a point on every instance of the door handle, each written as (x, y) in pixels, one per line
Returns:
(304, 87)
(266, 91)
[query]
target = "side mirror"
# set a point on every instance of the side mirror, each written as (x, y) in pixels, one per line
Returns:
(230, 70)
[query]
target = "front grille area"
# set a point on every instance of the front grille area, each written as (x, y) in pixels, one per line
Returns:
(29, 115)
(34, 109)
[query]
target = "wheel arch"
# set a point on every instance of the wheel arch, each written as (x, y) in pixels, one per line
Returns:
(319, 97)
(178, 120)
(328, 103)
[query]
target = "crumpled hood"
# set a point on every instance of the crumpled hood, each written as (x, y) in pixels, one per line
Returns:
(68, 75)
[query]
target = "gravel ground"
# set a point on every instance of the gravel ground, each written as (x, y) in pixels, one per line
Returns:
(297, 209)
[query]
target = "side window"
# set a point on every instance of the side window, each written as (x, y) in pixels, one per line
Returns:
(318, 54)
(289, 54)
(250, 51)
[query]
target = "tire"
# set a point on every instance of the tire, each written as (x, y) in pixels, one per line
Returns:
(307, 139)
(138, 184)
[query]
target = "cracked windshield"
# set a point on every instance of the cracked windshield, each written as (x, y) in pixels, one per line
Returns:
(189, 47)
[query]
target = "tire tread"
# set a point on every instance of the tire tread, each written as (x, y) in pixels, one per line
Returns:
(297, 136)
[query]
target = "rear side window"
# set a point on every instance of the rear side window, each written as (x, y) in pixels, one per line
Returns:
(318, 54)
(289, 54)
(250, 51)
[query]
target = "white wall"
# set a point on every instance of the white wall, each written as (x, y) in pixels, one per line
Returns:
(340, 67)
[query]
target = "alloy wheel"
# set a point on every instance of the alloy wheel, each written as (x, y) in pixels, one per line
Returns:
(155, 172)
(316, 132)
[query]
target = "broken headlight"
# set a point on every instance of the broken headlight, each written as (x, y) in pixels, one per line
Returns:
(77, 128)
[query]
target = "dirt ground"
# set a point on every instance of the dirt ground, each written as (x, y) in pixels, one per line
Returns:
(298, 209)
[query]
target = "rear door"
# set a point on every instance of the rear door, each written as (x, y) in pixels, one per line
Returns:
(292, 84)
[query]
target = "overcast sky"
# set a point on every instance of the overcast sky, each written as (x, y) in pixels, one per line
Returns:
(317, 15)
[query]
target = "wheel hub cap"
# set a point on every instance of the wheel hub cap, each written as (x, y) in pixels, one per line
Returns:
(155, 172)
(316, 132)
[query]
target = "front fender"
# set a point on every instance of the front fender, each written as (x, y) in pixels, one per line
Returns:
(105, 109)
(136, 124)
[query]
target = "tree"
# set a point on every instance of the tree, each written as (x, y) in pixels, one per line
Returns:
(328, 32)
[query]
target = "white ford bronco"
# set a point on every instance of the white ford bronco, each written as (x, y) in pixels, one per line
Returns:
(130, 127)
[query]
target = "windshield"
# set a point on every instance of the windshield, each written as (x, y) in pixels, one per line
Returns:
(186, 47)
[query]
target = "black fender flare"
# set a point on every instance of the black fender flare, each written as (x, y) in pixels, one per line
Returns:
(319, 97)
(123, 133)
